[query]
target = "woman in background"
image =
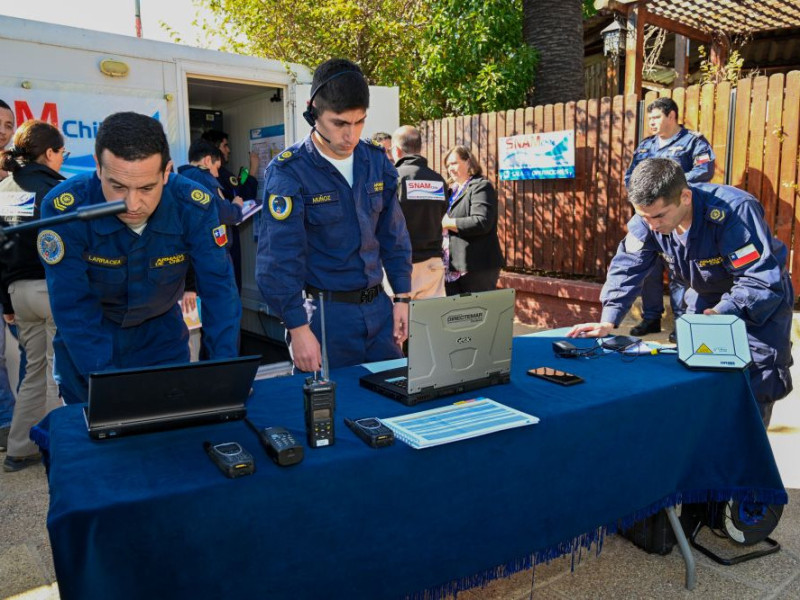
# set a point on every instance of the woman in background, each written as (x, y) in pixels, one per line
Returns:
(475, 258)
(33, 163)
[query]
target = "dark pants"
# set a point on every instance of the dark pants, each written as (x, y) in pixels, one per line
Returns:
(474, 281)
(356, 333)
(157, 341)
(653, 294)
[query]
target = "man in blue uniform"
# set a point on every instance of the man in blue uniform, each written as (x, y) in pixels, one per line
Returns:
(693, 152)
(115, 282)
(242, 186)
(205, 161)
(717, 244)
(331, 222)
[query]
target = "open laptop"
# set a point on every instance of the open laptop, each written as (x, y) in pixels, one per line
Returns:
(712, 342)
(142, 400)
(455, 344)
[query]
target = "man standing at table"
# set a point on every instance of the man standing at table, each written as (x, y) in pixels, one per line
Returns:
(115, 281)
(423, 199)
(693, 152)
(716, 243)
(331, 223)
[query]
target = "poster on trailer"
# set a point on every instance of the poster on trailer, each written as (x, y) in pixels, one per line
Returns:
(537, 156)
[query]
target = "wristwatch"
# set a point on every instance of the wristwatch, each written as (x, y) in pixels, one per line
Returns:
(402, 299)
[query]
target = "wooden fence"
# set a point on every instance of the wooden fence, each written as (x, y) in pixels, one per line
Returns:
(571, 227)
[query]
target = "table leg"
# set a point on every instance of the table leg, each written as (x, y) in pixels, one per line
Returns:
(683, 544)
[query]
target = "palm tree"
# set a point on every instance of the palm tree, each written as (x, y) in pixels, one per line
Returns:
(555, 29)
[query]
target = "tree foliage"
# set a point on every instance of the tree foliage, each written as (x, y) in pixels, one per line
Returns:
(447, 56)
(472, 59)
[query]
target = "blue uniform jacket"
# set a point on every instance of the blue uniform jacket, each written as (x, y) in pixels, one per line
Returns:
(730, 263)
(688, 148)
(318, 230)
(108, 284)
(229, 214)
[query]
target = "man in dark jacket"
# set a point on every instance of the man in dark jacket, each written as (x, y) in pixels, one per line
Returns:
(423, 200)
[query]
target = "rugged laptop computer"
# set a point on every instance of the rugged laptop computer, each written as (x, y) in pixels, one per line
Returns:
(455, 344)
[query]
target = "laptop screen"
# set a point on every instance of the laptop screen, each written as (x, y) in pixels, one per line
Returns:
(169, 391)
(458, 339)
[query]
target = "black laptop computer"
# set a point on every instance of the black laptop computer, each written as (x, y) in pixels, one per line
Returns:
(455, 344)
(141, 400)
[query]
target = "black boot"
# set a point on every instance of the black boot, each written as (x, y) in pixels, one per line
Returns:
(646, 326)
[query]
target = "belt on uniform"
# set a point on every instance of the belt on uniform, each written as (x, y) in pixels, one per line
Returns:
(354, 297)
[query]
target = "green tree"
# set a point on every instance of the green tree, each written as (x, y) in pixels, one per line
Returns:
(472, 59)
(447, 56)
(380, 35)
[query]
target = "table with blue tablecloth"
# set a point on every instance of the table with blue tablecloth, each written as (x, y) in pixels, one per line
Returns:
(150, 516)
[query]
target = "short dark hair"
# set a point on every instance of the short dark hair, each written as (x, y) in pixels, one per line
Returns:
(339, 85)
(31, 140)
(656, 178)
(408, 139)
(4, 105)
(665, 105)
(381, 136)
(131, 136)
(201, 148)
(215, 136)
(464, 153)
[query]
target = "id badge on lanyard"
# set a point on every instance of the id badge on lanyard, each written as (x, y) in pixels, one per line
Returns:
(458, 194)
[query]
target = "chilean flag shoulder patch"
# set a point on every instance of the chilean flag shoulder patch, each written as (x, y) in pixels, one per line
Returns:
(744, 256)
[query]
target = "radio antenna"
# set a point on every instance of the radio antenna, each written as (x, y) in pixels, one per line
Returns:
(324, 338)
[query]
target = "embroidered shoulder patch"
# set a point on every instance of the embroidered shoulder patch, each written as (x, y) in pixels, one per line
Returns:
(286, 154)
(50, 246)
(744, 256)
(64, 201)
(233, 181)
(716, 215)
(702, 159)
(200, 197)
(280, 207)
(220, 235)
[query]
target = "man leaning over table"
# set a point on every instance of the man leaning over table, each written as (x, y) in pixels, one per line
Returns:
(715, 242)
(115, 281)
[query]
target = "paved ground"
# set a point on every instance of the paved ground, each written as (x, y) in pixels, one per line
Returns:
(621, 571)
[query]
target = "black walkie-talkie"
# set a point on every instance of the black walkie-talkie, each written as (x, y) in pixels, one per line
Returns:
(319, 397)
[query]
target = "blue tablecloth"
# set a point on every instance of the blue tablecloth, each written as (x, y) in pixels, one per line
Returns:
(150, 516)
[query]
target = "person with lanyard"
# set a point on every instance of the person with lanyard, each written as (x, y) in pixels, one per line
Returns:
(34, 162)
(115, 281)
(718, 245)
(332, 223)
(472, 249)
(696, 157)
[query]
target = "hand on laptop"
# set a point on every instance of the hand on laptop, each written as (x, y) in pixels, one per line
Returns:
(400, 313)
(305, 349)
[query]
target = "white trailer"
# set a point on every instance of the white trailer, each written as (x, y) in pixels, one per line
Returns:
(74, 78)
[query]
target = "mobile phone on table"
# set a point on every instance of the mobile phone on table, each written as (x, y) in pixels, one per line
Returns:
(555, 375)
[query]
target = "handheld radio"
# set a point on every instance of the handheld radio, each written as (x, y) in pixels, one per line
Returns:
(319, 397)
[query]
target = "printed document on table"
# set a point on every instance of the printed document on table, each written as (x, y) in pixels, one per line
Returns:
(459, 421)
